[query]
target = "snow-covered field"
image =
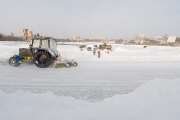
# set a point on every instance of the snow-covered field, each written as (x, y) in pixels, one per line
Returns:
(130, 83)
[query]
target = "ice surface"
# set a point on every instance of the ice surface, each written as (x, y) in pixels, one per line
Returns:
(131, 82)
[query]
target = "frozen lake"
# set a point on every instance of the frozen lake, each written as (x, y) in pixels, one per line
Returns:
(131, 82)
(120, 72)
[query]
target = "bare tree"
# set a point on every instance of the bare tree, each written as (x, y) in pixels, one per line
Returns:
(1, 36)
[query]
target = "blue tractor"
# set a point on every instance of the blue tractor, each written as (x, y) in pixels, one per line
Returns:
(42, 52)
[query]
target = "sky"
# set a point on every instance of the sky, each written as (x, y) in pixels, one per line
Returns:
(113, 19)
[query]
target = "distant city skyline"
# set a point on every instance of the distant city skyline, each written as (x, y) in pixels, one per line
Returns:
(113, 19)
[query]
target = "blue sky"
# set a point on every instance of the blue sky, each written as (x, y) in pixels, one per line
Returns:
(112, 19)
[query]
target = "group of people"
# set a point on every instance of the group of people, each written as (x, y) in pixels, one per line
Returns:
(99, 53)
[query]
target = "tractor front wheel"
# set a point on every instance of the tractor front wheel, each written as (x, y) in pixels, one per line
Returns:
(13, 62)
(42, 59)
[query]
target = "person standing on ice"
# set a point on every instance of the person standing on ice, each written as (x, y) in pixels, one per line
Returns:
(99, 54)
(94, 51)
(107, 52)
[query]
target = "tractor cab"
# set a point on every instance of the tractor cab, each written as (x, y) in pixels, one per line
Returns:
(44, 42)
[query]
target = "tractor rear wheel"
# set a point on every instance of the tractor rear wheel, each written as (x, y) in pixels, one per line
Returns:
(42, 59)
(13, 62)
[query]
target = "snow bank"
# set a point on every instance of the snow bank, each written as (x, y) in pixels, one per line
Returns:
(119, 49)
(156, 100)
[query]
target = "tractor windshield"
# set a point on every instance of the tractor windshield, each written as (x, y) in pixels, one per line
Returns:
(37, 43)
(45, 44)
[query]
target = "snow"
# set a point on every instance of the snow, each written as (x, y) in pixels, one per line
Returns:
(131, 82)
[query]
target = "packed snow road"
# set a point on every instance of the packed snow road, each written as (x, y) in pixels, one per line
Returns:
(120, 72)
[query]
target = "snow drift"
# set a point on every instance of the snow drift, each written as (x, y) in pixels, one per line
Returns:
(156, 100)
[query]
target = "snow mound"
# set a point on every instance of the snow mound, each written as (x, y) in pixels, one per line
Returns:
(155, 100)
(119, 49)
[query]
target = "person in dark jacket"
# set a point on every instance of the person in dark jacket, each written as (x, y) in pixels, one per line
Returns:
(94, 51)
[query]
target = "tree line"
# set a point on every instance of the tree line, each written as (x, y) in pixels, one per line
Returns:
(10, 38)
